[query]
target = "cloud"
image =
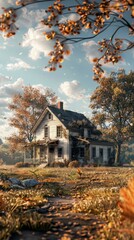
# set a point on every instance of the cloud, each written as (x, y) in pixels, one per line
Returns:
(6, 3)
(9, 89)
(35, 40)
(91, 50)
(72, 16)
(4, 79)
(29, 17)
(72, 90)
(19, 64)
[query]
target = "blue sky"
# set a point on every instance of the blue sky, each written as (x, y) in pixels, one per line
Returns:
(22, 62)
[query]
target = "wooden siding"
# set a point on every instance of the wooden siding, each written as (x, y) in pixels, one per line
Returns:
(105, 151)
(52, 134)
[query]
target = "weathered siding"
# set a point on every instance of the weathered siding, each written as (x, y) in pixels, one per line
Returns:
(105, 152)
(52, 134)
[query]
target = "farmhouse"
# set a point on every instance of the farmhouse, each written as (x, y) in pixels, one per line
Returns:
(63, 135)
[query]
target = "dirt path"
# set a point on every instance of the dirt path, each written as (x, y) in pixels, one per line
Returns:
(65, 225)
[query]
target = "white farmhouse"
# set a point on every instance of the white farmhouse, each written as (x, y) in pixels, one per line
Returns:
(63, 135)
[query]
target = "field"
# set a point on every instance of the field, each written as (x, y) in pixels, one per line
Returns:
(67, 204)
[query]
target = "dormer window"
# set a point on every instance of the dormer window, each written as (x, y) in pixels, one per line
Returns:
(49, 116)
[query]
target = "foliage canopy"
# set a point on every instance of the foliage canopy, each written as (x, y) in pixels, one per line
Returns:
(112, 102)
(26, 109)
(91, 19)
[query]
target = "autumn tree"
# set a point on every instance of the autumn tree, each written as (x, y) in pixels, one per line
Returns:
(26, 108)
(91, 19)
(113, 108)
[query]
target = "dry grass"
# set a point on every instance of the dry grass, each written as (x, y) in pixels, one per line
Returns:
(96, 192)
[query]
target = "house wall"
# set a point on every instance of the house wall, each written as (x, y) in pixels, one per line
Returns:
(105, 152)
(52, 134)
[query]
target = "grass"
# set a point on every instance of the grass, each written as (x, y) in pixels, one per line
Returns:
(96, 193)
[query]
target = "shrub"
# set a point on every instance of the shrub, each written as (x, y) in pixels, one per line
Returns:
(74, 164)
(59, 164)
(21, 165)
(56, 164)
(1, 161)
(66, 162)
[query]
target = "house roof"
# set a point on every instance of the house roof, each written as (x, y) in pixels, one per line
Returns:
(70, 119)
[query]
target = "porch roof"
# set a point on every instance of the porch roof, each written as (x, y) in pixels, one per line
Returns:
(43, 143)
(92, 141)
(48, 142)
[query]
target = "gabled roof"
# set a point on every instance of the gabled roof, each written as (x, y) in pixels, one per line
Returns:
(70, 119)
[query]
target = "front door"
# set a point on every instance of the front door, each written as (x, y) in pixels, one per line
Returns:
(101, 154)
(51, 156)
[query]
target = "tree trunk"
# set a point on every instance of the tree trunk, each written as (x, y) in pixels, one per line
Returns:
(117, 154)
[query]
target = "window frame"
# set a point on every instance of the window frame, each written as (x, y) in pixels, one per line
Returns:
(59, 131)
(109, 151)
(60, 154)
(50, 117)
(93, 152)
(101, 152)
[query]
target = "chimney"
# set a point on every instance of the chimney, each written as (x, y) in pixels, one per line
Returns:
(60, 105)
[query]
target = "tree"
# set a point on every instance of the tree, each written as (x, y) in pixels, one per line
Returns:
(92, 19)
(8, 157)
(26, 108)
(112, 102)
(1, 142)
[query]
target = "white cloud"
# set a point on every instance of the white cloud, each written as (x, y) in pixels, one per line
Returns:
(4, 79)
(91, 50)
(72, 90)
(6, 3)
(19, 64)
(9, 89)
(72, 16)
(35, 40)
(29, 17)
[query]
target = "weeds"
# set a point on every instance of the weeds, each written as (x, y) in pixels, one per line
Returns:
(99, 192)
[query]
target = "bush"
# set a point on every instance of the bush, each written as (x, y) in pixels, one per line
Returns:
(66, 162)
(1, 161)
(57, 164)
(21, 165)
(74, 164)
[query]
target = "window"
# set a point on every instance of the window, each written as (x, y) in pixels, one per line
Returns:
(46, 131)
(60, 152)
(49, 116)
(101, 152)
(109, 152)
(93, 152)
(59, 131)
(51, 149)
(89, 132)
(42, 151)
(81, 152)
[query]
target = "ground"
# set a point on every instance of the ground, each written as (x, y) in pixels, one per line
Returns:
(68, 204)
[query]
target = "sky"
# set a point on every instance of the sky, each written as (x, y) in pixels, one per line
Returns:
(23, 59)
